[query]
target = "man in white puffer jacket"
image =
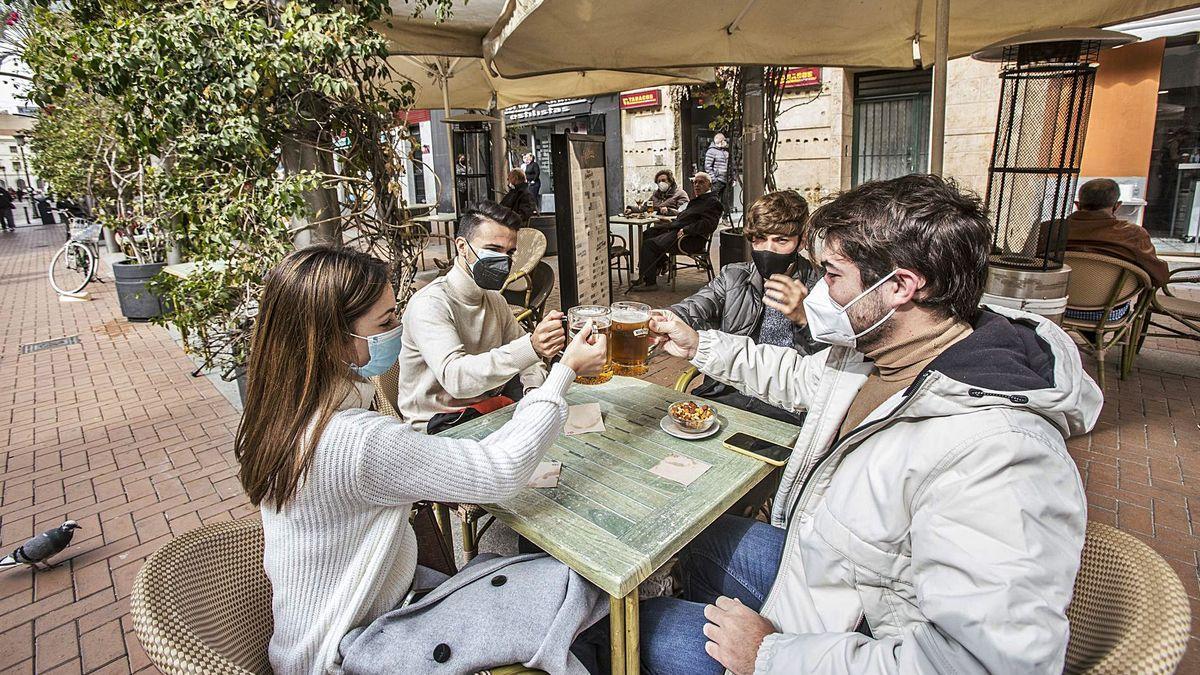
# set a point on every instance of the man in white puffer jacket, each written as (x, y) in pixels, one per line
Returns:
(930, 519)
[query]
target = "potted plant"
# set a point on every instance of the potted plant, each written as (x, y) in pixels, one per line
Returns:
(145, 256)
(733, 247)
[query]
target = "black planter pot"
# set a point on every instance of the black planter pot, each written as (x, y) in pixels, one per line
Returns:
(137, 302)
(733, 247)
(241, 385)
(547, 226)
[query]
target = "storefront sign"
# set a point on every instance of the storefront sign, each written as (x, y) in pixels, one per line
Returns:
(635, 100)
(547, 110)
(795, 78)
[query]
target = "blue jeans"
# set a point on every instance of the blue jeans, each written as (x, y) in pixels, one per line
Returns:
(734, 557)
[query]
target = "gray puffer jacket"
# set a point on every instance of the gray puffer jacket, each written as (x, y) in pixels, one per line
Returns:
(733, 303)
(716, 163)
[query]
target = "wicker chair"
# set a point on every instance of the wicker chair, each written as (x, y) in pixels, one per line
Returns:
(1129, 613)
(202, 604)
(1100, 284)
(1171, 306)
(620, 257)
(698, 260)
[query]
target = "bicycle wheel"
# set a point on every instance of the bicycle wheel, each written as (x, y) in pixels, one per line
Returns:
(72, 268)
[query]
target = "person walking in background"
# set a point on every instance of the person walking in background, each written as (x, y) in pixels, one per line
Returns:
(716, 165)
(533, 177)
(6, 211)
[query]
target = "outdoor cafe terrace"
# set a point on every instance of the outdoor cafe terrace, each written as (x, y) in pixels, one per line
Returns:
(114, 432)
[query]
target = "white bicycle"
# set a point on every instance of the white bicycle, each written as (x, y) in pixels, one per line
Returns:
(75, 264)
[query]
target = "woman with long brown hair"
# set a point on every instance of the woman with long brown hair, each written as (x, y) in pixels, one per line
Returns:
(335, 481)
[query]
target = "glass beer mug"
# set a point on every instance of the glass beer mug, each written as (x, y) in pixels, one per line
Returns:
(601, 318)
(630, 340)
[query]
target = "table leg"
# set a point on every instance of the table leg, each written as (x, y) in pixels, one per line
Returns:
(632, 640)
(634, 249)
(616, 634)
(449, 231)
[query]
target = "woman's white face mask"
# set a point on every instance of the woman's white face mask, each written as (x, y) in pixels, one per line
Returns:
(830, 322)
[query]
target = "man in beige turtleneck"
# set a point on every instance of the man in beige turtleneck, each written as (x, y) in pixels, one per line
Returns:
(461, 346)
(929, 518)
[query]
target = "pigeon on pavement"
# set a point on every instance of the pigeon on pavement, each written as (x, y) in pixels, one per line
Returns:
(42, 547)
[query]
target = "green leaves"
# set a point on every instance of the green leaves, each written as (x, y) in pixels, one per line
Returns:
(196, 100)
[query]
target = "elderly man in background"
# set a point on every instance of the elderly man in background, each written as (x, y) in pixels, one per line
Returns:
(688, 233)
(1095, 228)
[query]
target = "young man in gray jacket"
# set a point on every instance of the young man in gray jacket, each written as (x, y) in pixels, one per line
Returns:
(762, 299)
(930, 518)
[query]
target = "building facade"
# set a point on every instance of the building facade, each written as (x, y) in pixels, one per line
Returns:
(836, 128)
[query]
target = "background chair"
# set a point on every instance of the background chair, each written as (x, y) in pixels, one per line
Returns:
(1100, 284)
(618, 251)
(529, 305)
(1129, 612)
(1183, 310)
(699, 260)
(202, 603)
(531, 247)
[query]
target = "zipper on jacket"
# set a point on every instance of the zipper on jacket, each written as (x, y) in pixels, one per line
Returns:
(1015, 398)
(912, 390)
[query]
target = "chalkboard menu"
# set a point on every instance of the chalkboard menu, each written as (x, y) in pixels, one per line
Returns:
(581, 217)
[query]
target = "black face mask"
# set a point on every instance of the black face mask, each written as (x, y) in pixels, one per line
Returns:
(770, 262)
(491, 272)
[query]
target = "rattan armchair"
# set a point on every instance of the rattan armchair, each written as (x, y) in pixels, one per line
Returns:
(1100, 284)
(202, 604)
(1183, 310)
(1129, 613)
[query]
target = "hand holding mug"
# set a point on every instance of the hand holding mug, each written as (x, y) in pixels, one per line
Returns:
(671, 333)
(587, 354)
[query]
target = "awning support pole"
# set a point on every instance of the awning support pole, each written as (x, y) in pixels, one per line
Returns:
(937, 123)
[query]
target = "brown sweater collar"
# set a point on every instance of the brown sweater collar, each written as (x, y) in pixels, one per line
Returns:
(904, 360)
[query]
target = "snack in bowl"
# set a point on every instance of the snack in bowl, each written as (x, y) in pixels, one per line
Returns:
(692, 416)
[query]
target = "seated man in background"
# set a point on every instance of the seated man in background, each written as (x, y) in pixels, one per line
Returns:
(689, 232)
(463, 354)
(518, 198)
(668, 199)
(762, 299)
(1095, 228)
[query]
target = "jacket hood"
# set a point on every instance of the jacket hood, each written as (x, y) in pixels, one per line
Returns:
(1017, 360)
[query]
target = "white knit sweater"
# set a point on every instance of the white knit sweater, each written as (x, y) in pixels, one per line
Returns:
(341, 552)
(460, 344)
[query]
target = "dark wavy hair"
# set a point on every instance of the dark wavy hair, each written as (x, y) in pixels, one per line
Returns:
(921, 223)
(486, 210)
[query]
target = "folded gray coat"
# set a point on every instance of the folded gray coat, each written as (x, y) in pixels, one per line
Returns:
(522, 609)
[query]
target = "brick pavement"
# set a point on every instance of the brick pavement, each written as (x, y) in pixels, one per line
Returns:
(115, 433)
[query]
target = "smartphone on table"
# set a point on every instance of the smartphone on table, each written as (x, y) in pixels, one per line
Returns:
(760, 449)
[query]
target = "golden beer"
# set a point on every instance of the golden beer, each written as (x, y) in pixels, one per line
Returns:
(630, 338)
(601, 318)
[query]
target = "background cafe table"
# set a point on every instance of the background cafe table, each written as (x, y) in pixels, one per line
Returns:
(441, 218)
(610, 519)
(635, 242)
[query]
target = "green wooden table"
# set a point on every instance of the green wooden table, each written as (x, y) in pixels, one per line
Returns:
(610, 519)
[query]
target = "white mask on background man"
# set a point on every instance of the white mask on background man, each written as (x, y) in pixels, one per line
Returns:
(829, 322)
(664, 185)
